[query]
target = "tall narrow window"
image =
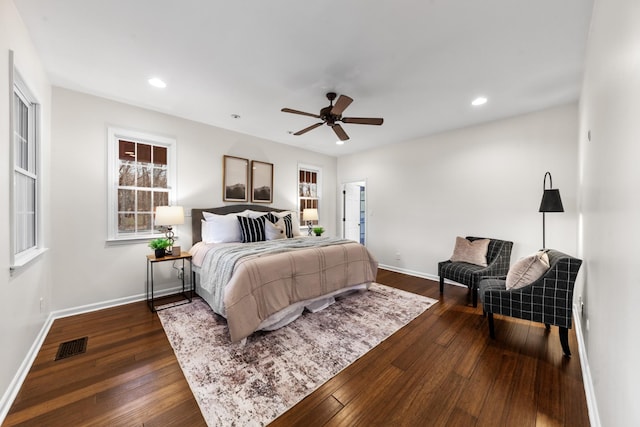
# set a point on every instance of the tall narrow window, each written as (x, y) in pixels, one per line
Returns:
(142, 178)
(309, 190)
(25, 239)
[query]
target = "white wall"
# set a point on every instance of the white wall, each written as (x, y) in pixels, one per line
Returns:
(484, 180)
(20, 292)
(610, 205)
(87, 270)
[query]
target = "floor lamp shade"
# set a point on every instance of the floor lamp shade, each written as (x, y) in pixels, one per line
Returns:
(551, 202)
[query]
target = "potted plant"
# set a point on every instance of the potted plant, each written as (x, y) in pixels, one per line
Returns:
(159, 245)
(318, 230)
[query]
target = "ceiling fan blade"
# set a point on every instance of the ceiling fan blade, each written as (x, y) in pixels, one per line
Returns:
(341, 104)
(289, 110)
(305, 130)
(362, 120)
(340, 132)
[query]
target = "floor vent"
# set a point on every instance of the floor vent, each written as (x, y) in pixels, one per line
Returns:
(72, 348)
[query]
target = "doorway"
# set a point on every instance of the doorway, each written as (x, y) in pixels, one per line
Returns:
(354, 211)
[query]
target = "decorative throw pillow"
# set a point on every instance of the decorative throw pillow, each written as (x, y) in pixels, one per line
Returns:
(284, 221)
(288, 225)
(472, 252)
(527, 270)
(252, 229)
(295, 223)
(274, 231)
(271, 217)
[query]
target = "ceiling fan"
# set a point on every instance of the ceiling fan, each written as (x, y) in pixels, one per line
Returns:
(332, 114)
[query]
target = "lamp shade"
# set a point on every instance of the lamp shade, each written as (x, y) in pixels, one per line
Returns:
(310, 214)
(169, 215)
(551, 201)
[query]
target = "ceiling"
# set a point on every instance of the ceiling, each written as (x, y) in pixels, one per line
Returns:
(417, 63)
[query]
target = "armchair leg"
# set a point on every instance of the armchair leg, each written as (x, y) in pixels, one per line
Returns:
(547, 326)
(474, 297)
(441, 284)
(492, 332)
(564, 341)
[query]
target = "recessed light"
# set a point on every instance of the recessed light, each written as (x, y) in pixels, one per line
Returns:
(481, 100)
(156, 82)
(235, 116)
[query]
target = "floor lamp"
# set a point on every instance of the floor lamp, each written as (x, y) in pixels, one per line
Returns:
(551, 202)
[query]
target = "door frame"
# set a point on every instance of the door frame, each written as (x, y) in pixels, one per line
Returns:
(360, 183)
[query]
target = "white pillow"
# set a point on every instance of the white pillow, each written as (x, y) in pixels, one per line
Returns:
(527, 270)
(221, 228)
(295, 221)
(254, 214)
(274, 231)
(208, 216)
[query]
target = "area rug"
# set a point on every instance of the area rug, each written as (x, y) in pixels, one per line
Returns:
(254, 383)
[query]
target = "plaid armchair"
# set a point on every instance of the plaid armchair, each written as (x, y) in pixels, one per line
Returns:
(548, 300)
(498, 258)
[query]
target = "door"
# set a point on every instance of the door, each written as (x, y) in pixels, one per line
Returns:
(354, 211)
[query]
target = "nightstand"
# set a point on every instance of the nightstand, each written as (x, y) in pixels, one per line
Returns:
(187, 291)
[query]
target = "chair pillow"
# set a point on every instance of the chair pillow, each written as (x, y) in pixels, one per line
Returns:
(471, 252)
(527, 270)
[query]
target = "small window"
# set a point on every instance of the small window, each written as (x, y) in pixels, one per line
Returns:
(309, 190)
(25, 208)
(142, 175)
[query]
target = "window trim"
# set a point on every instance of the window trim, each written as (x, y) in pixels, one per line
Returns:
(21, 88)
(114, 134)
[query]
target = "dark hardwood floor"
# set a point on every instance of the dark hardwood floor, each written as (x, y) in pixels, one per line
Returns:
(441, 369)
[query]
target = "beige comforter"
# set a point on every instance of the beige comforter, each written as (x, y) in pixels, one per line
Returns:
(263, 285)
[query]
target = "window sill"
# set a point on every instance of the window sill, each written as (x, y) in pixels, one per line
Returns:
(23, 260)
(135, 240)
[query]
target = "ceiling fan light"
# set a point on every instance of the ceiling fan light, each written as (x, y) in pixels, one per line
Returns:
(339, 142)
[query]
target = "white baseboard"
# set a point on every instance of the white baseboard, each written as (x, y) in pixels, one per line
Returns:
(413, 273)
(58, 314)
(14, 387)
(592, 406)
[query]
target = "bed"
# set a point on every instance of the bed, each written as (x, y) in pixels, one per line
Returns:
(262, 277)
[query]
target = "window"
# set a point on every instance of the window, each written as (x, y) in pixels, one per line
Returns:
(309, 190)
(142, 177)
(25, 207)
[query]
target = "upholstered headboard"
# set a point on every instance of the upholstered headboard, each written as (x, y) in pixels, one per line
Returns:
(196, 216)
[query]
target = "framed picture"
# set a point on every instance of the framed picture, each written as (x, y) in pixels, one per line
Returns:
(261, 182)
(235, 179)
